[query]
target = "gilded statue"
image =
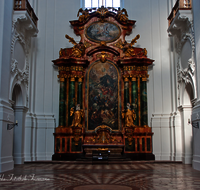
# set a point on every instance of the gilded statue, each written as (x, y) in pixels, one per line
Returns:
(121, 16)
(127, 47)
(84, 16)
(78, 50)
(129, 116)
(77, 114)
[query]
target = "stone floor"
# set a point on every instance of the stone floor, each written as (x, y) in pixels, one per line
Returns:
(108, 176)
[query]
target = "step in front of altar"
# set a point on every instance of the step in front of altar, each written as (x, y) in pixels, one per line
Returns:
(114, 151)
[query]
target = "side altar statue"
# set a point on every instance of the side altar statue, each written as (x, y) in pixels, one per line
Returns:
(103, 89)
(77, 114)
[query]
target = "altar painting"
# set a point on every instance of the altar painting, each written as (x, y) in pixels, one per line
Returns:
(103, 96)
(103, 31)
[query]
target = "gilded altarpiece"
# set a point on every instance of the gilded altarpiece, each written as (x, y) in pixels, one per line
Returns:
(103, 90)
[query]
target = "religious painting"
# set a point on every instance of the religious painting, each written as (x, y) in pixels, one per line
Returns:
(103, 31)
(103, 95)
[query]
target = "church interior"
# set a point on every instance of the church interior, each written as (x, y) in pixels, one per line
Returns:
(109, 87)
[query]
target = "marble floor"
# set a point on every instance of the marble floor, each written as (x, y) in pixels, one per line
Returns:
(75, 175)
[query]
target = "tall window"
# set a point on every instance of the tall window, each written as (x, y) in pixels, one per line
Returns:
(99, 3)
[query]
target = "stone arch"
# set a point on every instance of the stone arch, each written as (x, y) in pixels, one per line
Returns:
(20, 80)
(17, 96)
(187, 90)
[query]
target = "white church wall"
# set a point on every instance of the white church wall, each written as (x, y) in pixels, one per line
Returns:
(6, 112)
(152, 26)
(196, 109)
(53, 24)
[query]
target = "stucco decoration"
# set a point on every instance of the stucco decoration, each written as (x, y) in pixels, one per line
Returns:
(22, 31)
(183, 31)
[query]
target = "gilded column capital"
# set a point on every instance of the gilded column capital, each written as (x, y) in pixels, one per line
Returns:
(61, 68)
(145, 76)
(145, 68)
(80, 79)
(133, 79)
(62, 79)
(76, 68)
(72, 79)
(126, 77)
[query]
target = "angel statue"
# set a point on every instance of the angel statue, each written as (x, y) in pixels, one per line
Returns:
(129, 116)
(128, 48)
(78, 50)
(121, 16)
(77, 116)
(85, 14)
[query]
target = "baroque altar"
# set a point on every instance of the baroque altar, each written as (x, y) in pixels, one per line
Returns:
(103, 89)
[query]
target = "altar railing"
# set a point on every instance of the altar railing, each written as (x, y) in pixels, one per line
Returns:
(24, 5)
(180, 5)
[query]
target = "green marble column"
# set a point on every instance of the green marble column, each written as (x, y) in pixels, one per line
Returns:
(79, 98)
(62, 103)
(126, 92)
(134, 94)
(71, 97)
(144, 110)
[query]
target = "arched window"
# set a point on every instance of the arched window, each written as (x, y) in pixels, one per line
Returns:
(99, 3)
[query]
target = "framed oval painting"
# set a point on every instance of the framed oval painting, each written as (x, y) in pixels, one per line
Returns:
(103, 31)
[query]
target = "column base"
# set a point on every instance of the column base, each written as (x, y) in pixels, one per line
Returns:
(6, 165)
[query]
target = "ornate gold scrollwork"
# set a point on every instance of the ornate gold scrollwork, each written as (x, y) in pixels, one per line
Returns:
(60, 52)
(87, 44)
(102, 43)
(77, 133)
(103, 56)
(102, 12)
(126, 78)
(119, 44)
(145, 51)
